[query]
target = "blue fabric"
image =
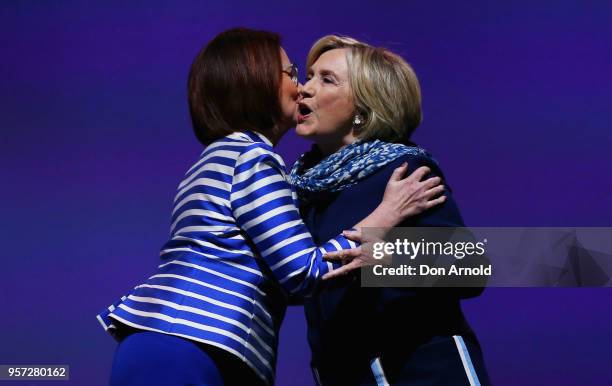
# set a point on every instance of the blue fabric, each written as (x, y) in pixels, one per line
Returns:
(349, 165)
(153, 359)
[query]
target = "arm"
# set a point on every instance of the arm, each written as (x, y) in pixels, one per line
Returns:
(263, 206)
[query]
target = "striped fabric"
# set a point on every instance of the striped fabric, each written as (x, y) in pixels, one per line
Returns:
(237, 247)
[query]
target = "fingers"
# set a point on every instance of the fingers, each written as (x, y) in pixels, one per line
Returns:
(437, 201)
(399, 172)
(435, 191)
(431, 182)
(418, 174)
(352, 235)
(343, 254)
(341, 271)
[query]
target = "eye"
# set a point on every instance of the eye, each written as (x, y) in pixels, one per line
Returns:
(327, 79)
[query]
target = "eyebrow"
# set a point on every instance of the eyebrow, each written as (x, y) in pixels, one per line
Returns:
(324, 72)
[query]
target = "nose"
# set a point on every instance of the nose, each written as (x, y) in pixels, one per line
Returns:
(305, 90)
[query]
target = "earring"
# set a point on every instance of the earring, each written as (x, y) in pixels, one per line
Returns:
(358, 120)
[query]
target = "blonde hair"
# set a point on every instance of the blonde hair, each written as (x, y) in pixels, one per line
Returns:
(385, 88)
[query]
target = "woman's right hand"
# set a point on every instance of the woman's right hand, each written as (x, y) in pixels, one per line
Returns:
(356, 257)
(409, 196)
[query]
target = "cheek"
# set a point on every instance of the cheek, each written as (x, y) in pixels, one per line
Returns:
(291, 91)
(336, 108)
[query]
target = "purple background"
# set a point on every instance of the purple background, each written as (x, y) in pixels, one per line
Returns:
(96, 136)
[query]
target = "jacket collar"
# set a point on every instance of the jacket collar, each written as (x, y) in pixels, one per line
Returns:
(251, 136)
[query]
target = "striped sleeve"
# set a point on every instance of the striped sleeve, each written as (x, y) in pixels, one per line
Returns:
(263, 206)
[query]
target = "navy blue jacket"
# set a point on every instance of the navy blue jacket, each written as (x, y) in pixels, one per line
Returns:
(349, 326)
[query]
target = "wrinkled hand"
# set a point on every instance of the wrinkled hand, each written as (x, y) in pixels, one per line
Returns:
(406, 197)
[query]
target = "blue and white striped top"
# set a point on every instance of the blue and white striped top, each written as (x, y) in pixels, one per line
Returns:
(237, 247)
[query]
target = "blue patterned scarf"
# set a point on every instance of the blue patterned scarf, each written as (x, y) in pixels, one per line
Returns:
(347, 166)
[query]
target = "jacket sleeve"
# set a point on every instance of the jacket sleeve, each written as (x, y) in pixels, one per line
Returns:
(264, 208)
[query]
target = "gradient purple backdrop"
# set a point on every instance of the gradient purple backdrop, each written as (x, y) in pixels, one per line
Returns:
(96, 136)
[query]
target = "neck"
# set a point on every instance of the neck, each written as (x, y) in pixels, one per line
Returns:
(330, 147)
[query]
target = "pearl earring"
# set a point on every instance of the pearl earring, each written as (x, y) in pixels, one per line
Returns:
(358, 120)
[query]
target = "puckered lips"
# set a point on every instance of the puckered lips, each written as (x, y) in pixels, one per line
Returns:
(304, 112)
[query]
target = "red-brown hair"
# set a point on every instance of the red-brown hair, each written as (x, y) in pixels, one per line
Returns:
(234, 84)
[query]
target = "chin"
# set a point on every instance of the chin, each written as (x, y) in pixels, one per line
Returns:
(304, 130)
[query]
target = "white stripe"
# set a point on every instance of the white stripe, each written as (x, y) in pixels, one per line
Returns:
(102, 323)
(214, 229)
(213, 166)
(336, 244)
(379, 374)
(312, 264)
(197, 296)
(213, 272)
(280, 160)
(300, 270)
(292, 274)
(295, 197)
(263, 138)
(233, 154)
(292, 257)
(199, 326)
(257, 203)
(264, 326)
(204, 284)
(214, 246)
(466, 361)
(202, 213)
(225, 186)
(202, 197)
(277, 229)
(246, 174)
(203, 313)
(258, 184)
(224, 261)
(286, 242)
(213, 343)
(281, 209)
(251, 154)
(317, 378)
(261, 342)
(240, 136)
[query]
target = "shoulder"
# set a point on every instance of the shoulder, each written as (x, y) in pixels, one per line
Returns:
(256, 153)
(415, 157)
(258, 164)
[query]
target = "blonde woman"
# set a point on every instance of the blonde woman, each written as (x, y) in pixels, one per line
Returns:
(360, 105)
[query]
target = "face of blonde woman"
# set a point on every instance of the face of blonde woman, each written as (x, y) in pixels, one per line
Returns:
(326, 108)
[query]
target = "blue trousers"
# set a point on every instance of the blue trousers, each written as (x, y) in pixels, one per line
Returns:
(154, 359)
